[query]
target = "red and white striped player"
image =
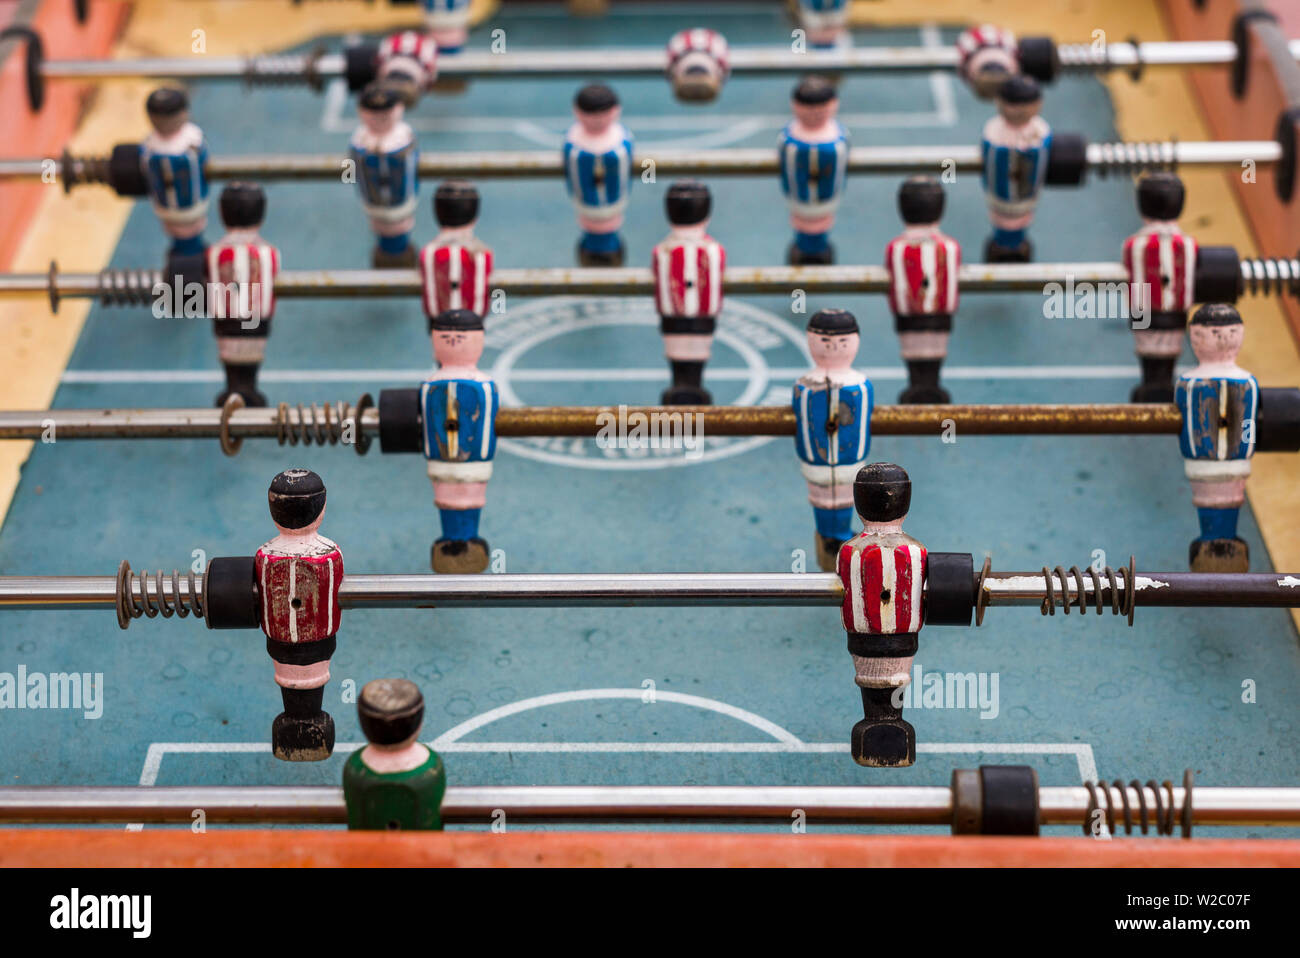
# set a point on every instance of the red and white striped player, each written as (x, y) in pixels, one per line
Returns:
(241, 295)
(988, 55)
(408, 61)
(456, 268)
(298, 577)
(1161, 263)
(923, 264)
(883, 570)
(687, 267)
(698, 64)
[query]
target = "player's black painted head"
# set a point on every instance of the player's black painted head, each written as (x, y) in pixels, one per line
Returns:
(595, 98)
(920, 200)
(688, 202)
(455, 203)
(814, 91)
(1216, 314)
(166, 101)
(451, 320)
(1161, 196)
(833, 322)
(243, 205)
(379, 96)
(296, 498)
(882, 492)
(1019, 89)
(390, 711)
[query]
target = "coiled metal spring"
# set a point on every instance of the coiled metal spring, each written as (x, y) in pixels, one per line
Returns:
(1270, 276)
(285, 70)
(1120, 583)
(322, 425)
(1123, 159)
(1088, 57)
(1163, 814)
(158, 596)
(82, 169)
(129, 287)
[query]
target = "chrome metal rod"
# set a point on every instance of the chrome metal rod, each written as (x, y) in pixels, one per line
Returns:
(682, 589)
(645, 61)
(845, 805)
(308, 423)
(1103, 159)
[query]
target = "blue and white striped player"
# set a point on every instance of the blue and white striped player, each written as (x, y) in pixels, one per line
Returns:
(814, 154)
(174, 159)
(386, 158)
(825, 22)
(458, 411)
(1219, 402)
(1015, 148)
(448, 23)
(598, 174)
(832, 413)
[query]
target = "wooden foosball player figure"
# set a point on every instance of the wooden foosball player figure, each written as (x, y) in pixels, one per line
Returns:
(1161, 261)
(1015, 149)
(242, 267)
(598, 174)
(832, 411)
(687, 267)
(456, 267)
(825, 22)
(1220, 403)
(298, 575)
(447, 21)
(813, 154)
(174, 159)
(923, 292)
(386, 160)
(883, 570)
(987, 58)
(408, 62)
(698, 65)
(394, 783)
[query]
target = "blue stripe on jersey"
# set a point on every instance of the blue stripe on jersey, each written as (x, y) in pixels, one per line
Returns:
(798, 159)
(438, 6)
(614, 167)
(475, 411)
(1011, 174)
(823, 6)
(387, 179)
(852, 441)
(1201, 403)
(177, 180)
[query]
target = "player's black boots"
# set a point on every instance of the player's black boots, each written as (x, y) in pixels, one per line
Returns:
(687, 388)
(796, 257)
(459, 556)
(302, 732)
(828, 552)
(1157, 383)
(609, 257)
(993, 253)
(382, 259)
(923, 383)
(241, 380)
(1218, 555)
(883, 739)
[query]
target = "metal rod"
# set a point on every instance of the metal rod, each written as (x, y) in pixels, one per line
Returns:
(296, 423)
(612, 804)
(1103, 158)
(644, 61)
(682, 589)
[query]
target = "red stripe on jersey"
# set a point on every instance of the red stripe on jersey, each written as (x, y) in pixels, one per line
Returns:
(248, 270)
(454, 277)
(688, 278)
(923, 275)
(873, 575)
(300, 595)
(904, 613)
(1161, 264)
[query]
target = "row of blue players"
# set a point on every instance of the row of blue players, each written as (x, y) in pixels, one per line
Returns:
(598, 169)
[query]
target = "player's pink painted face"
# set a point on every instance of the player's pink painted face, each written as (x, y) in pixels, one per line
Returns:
(815, 114)
(457, 347)
(1216, 344)
(596, 123)
(307, 530)
(833, 351)
(380, 122)
(1018, 114)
